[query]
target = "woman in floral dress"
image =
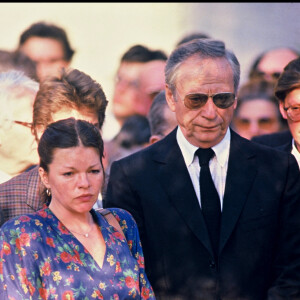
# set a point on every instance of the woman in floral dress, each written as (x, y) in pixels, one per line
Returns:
(67, 250)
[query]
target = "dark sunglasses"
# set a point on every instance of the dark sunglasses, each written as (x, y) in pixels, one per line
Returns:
(197, 100)
(293, 113)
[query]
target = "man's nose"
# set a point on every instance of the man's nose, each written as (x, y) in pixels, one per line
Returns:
(209, 109)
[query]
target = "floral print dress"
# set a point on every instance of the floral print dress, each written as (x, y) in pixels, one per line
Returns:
(42, 259)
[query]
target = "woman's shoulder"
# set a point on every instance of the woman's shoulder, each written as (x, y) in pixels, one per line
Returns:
(124, 218)
(119, 213)
(34, 219)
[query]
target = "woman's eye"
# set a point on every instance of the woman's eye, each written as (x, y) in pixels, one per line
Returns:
(96, 171)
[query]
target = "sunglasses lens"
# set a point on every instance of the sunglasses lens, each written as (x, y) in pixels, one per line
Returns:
(294, 113)
(197, 100)
(224, 100)
(194, 101)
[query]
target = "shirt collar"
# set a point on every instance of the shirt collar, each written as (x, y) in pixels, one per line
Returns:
(295, 152)
(188, 150)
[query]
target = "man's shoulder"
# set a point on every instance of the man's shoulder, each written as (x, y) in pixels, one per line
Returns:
(265, 153)
(20, 181)
(274, 139)
(157, 149)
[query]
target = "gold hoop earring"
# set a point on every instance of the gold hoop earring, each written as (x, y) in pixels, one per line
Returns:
(48, 192)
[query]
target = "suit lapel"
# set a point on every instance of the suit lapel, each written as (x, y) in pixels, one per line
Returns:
(240, 176)
(287, 147)
(175, 179)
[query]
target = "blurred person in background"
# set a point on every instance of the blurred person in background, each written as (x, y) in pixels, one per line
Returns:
(139, 78)
(48, 46)
(17, 144)
(287, 91)
(16, 60)
(191, 36)
(72, 93)
(152, 81)
(133, 136)
(161, 119)
(138, 131)
(271, 63)
(257, 110)
(128, 98)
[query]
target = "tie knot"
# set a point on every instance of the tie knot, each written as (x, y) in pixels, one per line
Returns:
(204, 155)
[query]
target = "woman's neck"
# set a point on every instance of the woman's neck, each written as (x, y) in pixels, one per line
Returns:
(80, 222)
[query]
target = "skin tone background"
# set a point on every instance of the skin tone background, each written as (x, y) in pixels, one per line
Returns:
(101, 32)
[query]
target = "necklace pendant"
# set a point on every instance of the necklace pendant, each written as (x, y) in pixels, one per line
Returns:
(86, 235)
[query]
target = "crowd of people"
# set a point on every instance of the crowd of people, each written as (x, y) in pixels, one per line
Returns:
(197, 196)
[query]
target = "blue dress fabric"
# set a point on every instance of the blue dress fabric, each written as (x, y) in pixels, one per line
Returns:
(41, 259)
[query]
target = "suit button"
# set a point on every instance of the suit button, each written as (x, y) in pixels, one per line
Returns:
(212, 264)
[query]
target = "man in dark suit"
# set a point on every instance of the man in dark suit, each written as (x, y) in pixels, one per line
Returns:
(242, 240)
(287, 91)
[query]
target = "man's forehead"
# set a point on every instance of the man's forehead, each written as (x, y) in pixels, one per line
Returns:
(129, 68)
(42, 48)
(195, 67)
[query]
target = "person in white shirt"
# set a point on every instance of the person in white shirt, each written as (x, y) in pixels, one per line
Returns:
(287, 91)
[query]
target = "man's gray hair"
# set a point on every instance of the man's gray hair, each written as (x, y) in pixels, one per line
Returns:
(205, 48)
(14, 84)
(14, 79)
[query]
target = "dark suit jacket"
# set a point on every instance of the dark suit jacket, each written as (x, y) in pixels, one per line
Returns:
(20, 194)
(259, 250)
(279, 140)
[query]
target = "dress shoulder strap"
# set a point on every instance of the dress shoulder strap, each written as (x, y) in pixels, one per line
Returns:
(111, 220)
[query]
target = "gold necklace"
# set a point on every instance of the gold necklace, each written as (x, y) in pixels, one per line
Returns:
(83, 234)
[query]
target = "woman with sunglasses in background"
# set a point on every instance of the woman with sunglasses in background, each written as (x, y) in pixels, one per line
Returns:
(287, 91)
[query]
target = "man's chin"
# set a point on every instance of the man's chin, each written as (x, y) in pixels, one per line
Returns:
(208, 138)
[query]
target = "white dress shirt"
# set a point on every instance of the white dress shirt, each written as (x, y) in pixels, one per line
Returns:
(296, 153)
(218, 164)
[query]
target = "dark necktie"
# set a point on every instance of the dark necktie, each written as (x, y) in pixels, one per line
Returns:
(210, 201)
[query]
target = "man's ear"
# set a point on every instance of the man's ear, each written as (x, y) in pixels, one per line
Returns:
(282, 111)
(44, 177)
(154, 138)
(170, 99)
(235, 103)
